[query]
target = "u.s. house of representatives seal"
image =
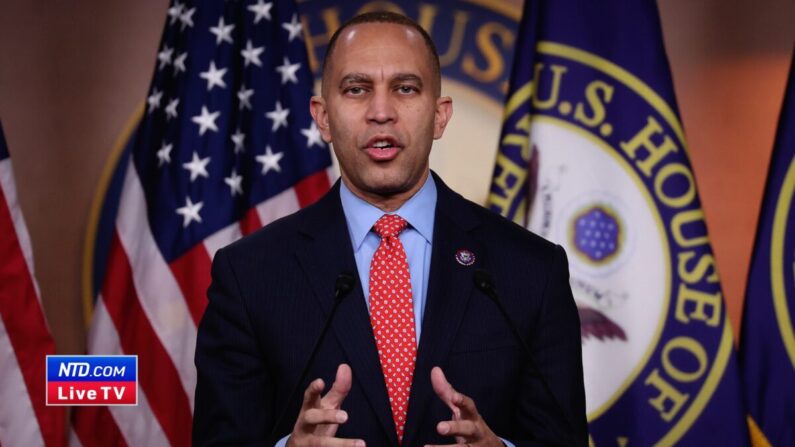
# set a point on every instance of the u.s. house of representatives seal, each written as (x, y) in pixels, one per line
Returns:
(607, 177)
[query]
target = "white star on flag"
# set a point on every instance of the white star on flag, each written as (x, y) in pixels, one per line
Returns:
(279, 116)
(197, 166)
(179, 62)
(190, 212)
(293, 27)
(222, 32)
(164, 154)
(206, 120)
(174, 12)
(244, 97)
(171, 109)
(186, 18)
(288, 71)
(312, 134)
(238, 137)
(205, 186)
(235, 182)
(251, 54)
(164, 56)
(154, 100)
(261, 10)
(214, 76)
(270, 160)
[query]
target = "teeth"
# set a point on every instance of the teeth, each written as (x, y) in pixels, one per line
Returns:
(381, 144)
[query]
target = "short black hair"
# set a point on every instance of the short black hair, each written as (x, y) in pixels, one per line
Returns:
(387, 17)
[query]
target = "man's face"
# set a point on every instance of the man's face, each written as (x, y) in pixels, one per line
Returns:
(380, 110)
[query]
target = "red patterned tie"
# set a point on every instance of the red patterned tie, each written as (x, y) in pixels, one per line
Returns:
(392, 315)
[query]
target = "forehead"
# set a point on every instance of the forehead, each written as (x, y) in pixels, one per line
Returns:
(381, 47)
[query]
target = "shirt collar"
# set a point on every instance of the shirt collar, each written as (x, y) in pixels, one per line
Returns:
(419, 211)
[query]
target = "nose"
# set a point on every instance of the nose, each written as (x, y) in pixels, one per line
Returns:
(381, 108)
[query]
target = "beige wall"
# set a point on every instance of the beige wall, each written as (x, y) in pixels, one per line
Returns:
(730, 60)
(72, 73)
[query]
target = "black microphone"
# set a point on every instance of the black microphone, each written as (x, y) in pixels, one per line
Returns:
(485, 283)
(342, 287)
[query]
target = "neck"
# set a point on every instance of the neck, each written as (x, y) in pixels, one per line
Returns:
(387, 202)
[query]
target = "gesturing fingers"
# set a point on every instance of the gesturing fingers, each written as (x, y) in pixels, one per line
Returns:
(320, 416)
(467, 426)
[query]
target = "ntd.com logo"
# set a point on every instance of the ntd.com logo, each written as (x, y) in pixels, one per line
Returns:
(92, 380)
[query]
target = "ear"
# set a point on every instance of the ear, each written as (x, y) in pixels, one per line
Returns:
(317, 107)
(444, 111)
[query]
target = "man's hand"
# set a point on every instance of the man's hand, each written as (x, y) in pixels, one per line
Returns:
(467, 426)
(321, 416)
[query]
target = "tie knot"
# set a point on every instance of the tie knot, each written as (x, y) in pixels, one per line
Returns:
(389, 225)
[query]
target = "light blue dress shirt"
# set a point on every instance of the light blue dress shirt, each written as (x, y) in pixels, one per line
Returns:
(420, 212)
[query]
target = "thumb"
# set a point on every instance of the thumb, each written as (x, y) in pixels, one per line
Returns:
(445, 391)
(340, 388)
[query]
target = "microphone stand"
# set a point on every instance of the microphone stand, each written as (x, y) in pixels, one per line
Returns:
(485, 283)
(342, 287)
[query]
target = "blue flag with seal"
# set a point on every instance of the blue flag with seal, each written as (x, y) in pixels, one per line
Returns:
(593, 156)
(767, 345)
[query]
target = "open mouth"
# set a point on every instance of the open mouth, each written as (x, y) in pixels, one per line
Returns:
(382, 144)
(382, 148)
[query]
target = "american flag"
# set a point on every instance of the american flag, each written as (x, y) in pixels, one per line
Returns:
(226, 144)
(25, 338)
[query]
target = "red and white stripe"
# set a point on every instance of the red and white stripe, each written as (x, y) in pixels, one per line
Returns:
(25, 339)
(152, 308)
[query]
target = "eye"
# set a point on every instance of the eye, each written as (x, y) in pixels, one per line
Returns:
(407, 89)
(354, 91)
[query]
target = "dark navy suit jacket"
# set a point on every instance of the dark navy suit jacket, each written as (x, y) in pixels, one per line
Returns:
(271, 293)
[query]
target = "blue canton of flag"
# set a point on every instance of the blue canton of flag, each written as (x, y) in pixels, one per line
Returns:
(228, 115)
(593, 156)
(225, 144)
(767, 345)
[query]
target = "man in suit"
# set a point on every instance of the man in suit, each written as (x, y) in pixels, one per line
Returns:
(416, 354)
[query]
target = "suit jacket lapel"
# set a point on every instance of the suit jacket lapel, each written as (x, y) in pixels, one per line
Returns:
(327, 253)
(449, 290)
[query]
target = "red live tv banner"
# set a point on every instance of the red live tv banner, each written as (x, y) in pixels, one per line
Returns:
(92, 380)
(92, 393)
